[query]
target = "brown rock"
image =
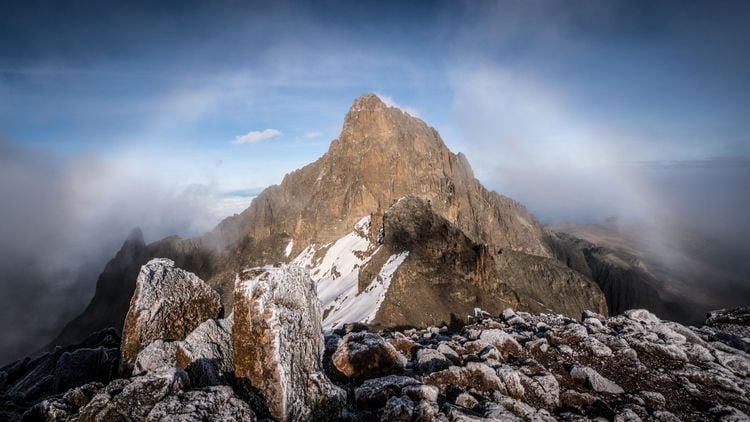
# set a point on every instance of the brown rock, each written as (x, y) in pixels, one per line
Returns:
(277, 344)
(366, 355)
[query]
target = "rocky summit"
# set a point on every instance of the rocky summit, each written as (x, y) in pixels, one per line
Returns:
(272, 360)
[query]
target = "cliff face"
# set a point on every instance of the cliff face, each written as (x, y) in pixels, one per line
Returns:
(382, 155)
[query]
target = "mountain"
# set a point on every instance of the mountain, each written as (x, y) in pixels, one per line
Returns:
(670, 269)
(388, 206)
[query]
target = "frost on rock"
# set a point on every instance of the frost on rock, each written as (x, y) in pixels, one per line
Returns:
(277, 343)
(168, 304)
(206, 353)
(159, 354)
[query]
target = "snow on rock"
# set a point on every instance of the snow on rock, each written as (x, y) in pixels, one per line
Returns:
(354, 306)
(277, 343)
(206, 353)
(168, 304)
(337, 276)
(289, 248)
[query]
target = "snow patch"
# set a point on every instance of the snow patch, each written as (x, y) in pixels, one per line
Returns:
(336, 274)
(289, 247)
(353, 306)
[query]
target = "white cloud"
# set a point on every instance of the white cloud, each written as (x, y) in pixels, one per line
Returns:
(389, 101)
(255, 137)
(312, 134)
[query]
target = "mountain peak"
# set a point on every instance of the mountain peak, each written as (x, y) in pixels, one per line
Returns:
(367, 101)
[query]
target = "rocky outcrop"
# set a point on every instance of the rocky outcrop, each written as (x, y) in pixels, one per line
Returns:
(168, 304)
(28, 381)
(161, 395)
(277, 343)
(516, 366)
(522, 366)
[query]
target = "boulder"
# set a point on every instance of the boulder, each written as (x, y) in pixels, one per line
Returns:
(374, 393)
(430, 360)
(364, 355)
(134, 398)
(594, 380)
(206, 353)
(503, 342)
(212, 404)
(159, 354)
(277, 343)
(168, 304)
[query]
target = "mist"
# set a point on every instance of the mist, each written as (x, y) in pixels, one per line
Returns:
(530, 141)
(63, 219)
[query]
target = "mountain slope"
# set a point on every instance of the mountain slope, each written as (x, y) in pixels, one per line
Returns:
(382, 155)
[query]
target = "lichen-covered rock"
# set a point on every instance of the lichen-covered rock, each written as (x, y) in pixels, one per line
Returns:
(212, 404)
(159, 354)
(366, 355)
(206, 353)
(135, 399)
(168, 304)
(277, 343)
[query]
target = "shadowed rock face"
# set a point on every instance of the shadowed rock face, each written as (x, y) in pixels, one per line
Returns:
(277, 343)
(447, 275)
(381, 155)
(168, 304)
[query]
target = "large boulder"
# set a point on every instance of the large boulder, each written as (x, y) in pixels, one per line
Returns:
(168, 304)
(364, 355)
(277, 343)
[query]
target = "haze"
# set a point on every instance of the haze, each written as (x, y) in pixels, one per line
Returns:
(169, 116)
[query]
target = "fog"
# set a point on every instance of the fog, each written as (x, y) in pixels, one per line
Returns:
(63, 219)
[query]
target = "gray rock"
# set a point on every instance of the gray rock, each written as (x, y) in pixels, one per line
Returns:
(168, 304)
(503, 342)
(206, 353)
(430, 360)
(135, 399)
(466, 400)
(594, 380)
(159, 354)
(212, 404)
(374, 393)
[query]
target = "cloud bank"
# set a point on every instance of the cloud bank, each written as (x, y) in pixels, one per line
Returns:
(62, 220)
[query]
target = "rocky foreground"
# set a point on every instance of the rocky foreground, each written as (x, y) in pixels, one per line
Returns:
(182, 360)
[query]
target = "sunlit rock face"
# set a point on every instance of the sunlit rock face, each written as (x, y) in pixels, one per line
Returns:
(277, 343)
(168, 304)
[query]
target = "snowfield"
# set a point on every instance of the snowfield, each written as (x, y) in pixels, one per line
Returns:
(336, 274)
